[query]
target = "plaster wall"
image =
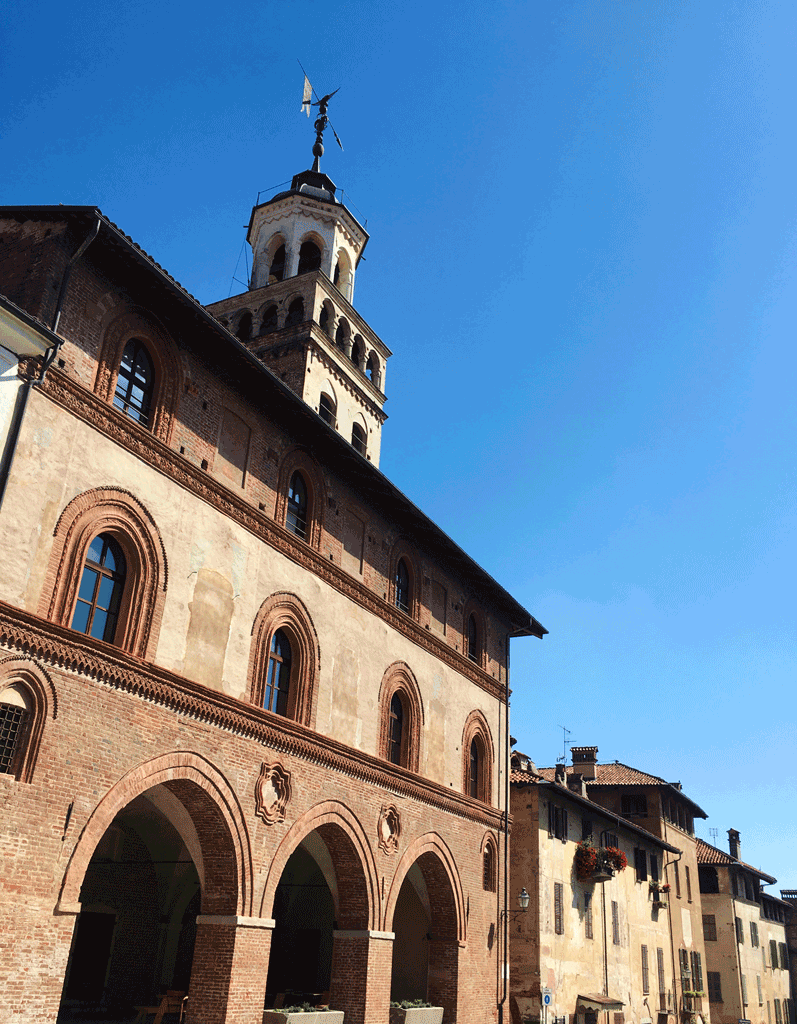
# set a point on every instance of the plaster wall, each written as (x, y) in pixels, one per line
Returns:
(218, 576)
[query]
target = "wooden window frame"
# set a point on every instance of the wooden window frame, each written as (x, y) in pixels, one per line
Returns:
(476, 729)
(399, 681)
(298, 461)
(558, 908)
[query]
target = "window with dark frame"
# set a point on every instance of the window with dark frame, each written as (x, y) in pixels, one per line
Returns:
(634, 805)
(557, 822)
(714, 986)
(588, 915)
(778, 1012)
(654, 867)
(296, 515)
(395, 730)
(278, 674)
(489, 879)
(662, 981)
(640, 864)
(754, 934)
(358, 440)
(697, 971)
(688, 883)
(473, 639)
(709, 928)
(784, 956)
(610, 839)
(677, 880)
(13, 720)
(327, 410)
(474, 770)
(645, 972)
(402, 586)
(101, 587)
(135, 384)
(739, 931)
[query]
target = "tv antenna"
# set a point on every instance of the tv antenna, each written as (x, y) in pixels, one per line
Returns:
(714, 832)
(565, 744)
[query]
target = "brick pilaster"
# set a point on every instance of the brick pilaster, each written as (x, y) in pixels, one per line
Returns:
(228, 977)
(361, 968)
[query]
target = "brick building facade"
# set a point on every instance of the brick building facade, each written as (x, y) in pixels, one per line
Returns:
(254, 701)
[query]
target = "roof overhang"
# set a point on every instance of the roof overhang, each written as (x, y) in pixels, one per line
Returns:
(594, 1004)
(22, 333)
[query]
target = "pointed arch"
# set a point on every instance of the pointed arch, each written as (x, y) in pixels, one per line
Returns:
(286, 613)
(118, 514)
(408, 600)
(217, 816)
(489, 858)
(474, 633)
(358, 903)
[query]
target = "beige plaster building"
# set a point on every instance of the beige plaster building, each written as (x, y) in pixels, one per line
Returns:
(593, 946)
(747, 958)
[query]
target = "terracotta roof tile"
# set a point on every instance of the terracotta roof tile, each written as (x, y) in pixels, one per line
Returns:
(707, 854)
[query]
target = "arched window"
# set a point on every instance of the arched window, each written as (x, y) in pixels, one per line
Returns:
(135, 385)
(400, 717)
(296, 516)
(342, 335)
(358, 439)
(403, 595)
(283, 659)
(395, 750)
(336, 278)
(323, 319)
(327, 410)
(244, 331)
(269, 321)
(276, 271)
(101, 586)
(477, 751)
(309, 257)
(372, 369)
(474, 771)
(357, 352)
(295, 312)
(278, 676)
(15, 710)
(489, 865)
(474, 647)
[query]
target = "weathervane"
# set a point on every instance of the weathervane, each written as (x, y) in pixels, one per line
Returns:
(322, 122)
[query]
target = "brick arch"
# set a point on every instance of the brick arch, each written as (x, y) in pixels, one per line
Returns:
(119, 513)
(399, 678)
(163, 352)
(476, 728)
(217, 817)
(299, 459)
(439, 869)
(352, 858)
(403, 549)
(286, 611)
(36, 681)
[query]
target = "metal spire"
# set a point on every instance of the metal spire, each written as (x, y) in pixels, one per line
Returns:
(321, 123)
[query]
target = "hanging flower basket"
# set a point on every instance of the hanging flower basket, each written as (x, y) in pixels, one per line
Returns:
(586, 860)
(616, 858)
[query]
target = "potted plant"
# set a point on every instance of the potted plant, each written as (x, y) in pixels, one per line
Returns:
(586, 860)
(415, 1011)
(303, 1014)
(617, 859)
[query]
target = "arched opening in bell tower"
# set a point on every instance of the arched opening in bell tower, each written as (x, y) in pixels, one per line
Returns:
(309, 257)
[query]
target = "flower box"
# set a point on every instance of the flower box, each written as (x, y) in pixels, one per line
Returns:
(303, 1017)
(416, 1015)
(660, 903)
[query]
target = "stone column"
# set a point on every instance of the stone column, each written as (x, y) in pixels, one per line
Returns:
(230, 969)
(362, 962)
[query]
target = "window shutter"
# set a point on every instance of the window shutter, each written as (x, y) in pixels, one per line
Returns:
(739, 931)
(778, 1013)
(773, 953)
(588, 915)
(645, 972)
(760, 993)
(615, 923)
(550, 818)
(753, 934)
(688, 883)
(654, 867)
(660, 969)
(697, 972)
(714, 987)
(563, 836)
(558, 909)
(744, 991)
(784, 956)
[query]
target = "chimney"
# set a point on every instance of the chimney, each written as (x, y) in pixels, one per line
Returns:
(733, 843)
(576, 784)
(559, 775)
(585, 759)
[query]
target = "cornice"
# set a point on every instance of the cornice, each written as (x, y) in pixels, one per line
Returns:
(62, 648)
(128, 434)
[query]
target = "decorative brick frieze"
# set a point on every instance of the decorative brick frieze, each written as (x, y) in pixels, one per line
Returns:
(140, 442)
(58, 646)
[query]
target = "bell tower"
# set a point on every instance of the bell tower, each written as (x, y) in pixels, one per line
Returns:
(298, 317)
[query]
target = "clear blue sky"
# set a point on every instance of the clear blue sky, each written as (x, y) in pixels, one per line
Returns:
(582, 253)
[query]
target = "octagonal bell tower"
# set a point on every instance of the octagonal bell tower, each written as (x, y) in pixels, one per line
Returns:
(298, 315)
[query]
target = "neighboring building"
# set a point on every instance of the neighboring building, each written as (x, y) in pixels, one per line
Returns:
(253, 700)
(597, 946)
(789, 897)
(747, 961)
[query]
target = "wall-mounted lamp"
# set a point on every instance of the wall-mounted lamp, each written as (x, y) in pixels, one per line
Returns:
(522, 902)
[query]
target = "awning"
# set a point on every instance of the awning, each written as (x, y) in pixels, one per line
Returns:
(594, 1004)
